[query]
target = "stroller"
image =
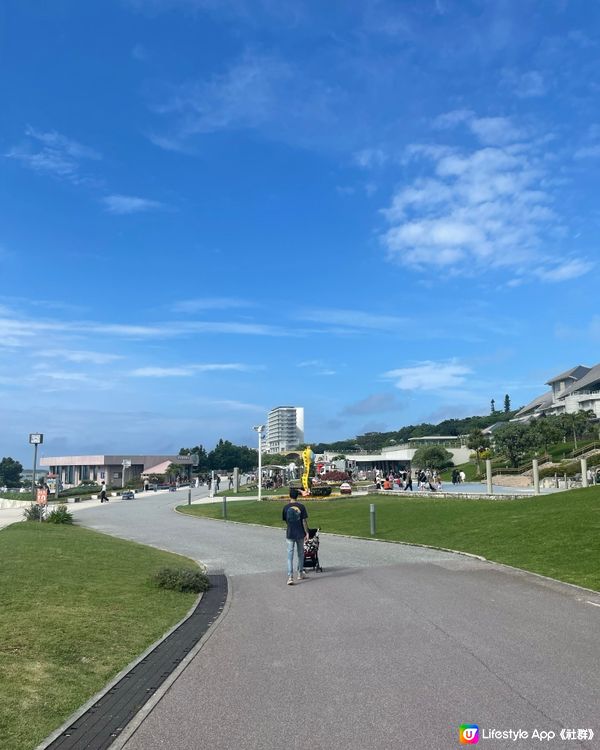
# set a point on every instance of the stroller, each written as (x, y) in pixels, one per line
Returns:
(311, 551)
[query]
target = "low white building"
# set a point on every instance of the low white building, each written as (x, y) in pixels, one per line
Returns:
(108, 469)
(397, 457)
(577, 389)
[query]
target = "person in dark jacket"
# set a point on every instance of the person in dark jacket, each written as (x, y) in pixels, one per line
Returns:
(295, 515)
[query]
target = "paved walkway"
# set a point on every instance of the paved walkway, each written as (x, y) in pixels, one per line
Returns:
(391, 647)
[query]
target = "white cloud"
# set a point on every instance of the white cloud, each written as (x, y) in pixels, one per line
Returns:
(588, 152)
(494, 130)
(189, 370)
(129, 204)
(209, 303)
(571, 269)
(231, 405)
(371, 157)
(53, 153)
(453, 118)
(429, 376)
(161, 372)
(354, 319)
(96, 358)
(485, 208)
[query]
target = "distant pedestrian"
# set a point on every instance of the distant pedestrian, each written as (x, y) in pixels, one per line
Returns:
(103, 496)
(463, 476)
(295, 515)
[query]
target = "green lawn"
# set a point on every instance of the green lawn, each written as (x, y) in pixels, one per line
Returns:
(556, 535)
(75, 608)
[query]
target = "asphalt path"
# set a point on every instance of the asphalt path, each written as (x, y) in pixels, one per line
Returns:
(392, 646)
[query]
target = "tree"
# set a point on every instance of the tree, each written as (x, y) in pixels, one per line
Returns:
(492, 406)
(577, 424)
(545, 431)
(432, 457)
(478, 442)
(174, 471)
(10, 472)
(514, 440)
(506, 403)
(227, 456)
(202, 458)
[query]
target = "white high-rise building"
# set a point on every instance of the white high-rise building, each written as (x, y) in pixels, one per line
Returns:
(285, 429)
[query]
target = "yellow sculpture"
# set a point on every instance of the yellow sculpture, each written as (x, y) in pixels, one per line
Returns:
(307, 456)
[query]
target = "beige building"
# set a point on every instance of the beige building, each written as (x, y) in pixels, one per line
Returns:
(72, 470)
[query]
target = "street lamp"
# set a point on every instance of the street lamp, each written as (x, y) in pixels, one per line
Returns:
(35, 439)
(259, 428)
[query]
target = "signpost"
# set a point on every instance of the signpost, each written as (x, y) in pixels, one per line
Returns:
(42, 500)
(35, 439)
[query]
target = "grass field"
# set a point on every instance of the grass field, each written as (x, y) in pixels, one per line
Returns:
(556, 535)
(75, 608)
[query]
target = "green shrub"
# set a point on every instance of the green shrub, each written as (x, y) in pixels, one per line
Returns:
(34, 512)
(60, 515)
(182, 579)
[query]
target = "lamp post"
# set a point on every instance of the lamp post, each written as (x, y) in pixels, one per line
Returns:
(35, 439)
(259, 430)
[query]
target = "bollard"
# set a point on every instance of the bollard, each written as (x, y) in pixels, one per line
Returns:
(224, 507)
(584, 476)
(372, 515)
(189, 496)
(536, 476)
(488, 473)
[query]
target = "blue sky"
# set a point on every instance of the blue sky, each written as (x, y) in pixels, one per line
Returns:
(385, 212)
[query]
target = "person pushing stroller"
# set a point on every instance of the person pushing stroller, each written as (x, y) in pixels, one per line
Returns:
(295, 515)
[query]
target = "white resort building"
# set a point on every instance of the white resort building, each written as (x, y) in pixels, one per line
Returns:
(285, 429)
(577, 389)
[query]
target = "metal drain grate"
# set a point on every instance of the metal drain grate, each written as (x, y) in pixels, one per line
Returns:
(101, 724)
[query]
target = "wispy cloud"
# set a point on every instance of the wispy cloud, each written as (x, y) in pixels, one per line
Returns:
(230, 405)
(317, 367)
(17, 331)
(53, 153)
(130, 204)
(429, 376)
(356, 319)
(566, 271)
(257, 92)
(526, 85)
(189, 370)
(96, 358)
(209, 303)
(486, 208)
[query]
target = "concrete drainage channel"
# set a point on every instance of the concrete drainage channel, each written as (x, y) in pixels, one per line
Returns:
(103, 722)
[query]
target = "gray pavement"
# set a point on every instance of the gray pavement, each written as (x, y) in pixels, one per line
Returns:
(391, 647)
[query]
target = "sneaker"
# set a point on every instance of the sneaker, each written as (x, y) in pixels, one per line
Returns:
(302, 575)
(290, 581)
